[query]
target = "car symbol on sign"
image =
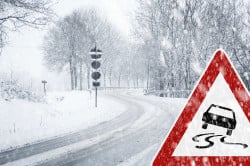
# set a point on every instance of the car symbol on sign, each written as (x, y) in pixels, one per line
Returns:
(219, 116)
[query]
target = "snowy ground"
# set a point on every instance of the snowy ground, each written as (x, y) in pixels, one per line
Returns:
(25, 122)
(134, 129)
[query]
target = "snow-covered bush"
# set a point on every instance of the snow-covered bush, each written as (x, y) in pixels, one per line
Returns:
(14, 90)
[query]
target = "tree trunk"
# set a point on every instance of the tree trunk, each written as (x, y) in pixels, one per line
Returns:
(104, 80)
(110, 78)
(137, 81)
(161, 83)
(187, 77)
(75, 77)
(88, 77)
(80, 75)
(148, 73)
(119, 80)
(71, 73)
(128, 82)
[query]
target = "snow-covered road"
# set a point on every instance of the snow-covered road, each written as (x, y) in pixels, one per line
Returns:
(132, 138)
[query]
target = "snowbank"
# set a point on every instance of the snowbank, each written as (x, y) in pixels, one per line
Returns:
(24, 122)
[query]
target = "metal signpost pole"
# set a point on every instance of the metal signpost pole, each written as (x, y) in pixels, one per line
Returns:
(96, 86)
(44, 86)
(95, 96)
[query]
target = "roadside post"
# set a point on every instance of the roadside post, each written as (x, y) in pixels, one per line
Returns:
(95, 64)
(44, 82)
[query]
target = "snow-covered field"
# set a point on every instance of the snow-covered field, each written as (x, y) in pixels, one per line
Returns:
(25, 122)
(138, 140)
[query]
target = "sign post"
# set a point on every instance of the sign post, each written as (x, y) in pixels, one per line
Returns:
(95, 64)
(96, 96)
(44, 82)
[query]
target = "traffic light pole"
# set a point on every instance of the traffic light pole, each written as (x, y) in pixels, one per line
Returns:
(95, 96)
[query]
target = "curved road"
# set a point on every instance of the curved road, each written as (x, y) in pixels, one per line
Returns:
(144, 124)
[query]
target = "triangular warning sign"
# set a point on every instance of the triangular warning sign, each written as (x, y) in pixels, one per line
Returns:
(213, 128)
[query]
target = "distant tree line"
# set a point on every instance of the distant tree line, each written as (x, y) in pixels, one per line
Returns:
(172, 43)
(67, 45)
(179, 37)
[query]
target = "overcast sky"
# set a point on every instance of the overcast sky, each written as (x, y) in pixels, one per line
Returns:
(23, 53)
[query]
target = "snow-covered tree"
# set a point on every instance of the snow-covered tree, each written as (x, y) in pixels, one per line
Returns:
(17, 13)
(181, 36)
(68, 43)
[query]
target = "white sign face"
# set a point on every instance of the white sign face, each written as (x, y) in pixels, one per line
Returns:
(219, 127)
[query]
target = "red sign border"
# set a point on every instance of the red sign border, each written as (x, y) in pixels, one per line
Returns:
(220, 63)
